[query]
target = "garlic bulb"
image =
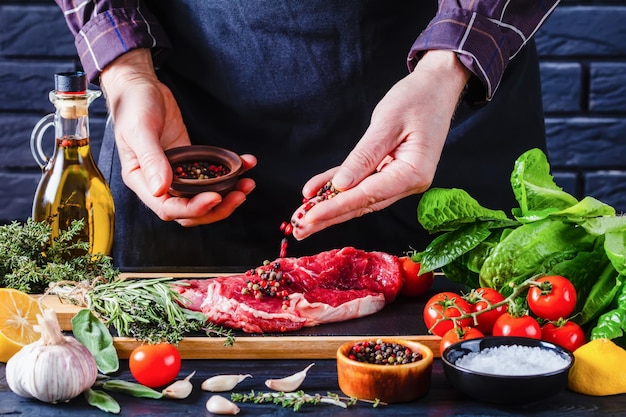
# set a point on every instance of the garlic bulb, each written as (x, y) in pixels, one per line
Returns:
(221, 383)
(55, 368)
(289, 383)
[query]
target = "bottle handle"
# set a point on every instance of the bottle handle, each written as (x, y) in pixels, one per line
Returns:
(36, 137)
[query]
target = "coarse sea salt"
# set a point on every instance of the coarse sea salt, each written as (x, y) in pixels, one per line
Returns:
(513, 360)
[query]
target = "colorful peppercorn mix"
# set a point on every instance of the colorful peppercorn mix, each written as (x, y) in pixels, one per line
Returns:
(327, 192)
(381, 353)
(267, 281)
(200, 170)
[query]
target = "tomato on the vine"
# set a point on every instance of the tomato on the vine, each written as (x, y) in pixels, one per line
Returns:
(524, 326)
(481, 300)
(154, 365)
(414, 284)
(553, 298)
(445, 305)
(566, 334)
(457, 334)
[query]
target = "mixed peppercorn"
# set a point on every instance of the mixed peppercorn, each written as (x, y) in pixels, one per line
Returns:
(327, 192)
(381, 353)
(267, 281)
(200, 170)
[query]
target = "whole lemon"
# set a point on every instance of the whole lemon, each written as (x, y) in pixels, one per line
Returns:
(599, 369)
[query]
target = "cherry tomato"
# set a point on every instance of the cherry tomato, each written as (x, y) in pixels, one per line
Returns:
(154, 365)
(445, 304)
(524, 326)
(555, 302)
(456, 335)
(484, 297)
(414, 283)
(565, 334)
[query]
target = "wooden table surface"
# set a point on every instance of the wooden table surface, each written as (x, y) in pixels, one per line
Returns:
(441, 401)
(402, 317)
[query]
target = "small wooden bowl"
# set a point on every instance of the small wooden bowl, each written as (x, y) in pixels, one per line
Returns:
(387, 383)
(203, 153)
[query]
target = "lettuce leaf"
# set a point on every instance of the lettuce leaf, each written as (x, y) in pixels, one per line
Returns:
(588, 207)
(442, 209)
(534, 187)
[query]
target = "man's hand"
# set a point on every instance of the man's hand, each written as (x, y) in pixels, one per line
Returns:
(398, 154)
(147, 120)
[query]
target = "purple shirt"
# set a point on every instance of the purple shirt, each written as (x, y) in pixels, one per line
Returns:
(486, 35)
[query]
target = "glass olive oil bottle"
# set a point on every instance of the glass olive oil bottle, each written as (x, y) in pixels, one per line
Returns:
(72, 187)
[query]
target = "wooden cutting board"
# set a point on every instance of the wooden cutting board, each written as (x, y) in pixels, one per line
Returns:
(400, 319)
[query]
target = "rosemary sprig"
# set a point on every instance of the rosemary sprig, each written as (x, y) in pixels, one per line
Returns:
(146, 309)
(297, 399)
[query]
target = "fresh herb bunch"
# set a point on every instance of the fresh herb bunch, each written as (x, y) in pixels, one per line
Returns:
(295, 400)
(147, 309)
(30, 259)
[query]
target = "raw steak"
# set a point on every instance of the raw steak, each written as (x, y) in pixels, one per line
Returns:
(290, 293)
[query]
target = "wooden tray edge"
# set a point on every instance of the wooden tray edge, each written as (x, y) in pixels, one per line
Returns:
(267, 347)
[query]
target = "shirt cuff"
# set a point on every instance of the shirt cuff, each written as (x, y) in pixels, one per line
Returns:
(114, 32)
(480, 44)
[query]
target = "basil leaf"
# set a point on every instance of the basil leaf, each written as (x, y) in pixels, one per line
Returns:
(102, 400)
(93, 334)
(131, 388)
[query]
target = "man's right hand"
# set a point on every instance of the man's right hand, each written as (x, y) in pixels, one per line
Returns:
(147, 120)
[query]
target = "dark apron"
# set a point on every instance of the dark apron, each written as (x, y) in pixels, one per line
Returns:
(294, 83)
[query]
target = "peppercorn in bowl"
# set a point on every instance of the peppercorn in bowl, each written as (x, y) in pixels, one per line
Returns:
(386, 369)
(202, 168)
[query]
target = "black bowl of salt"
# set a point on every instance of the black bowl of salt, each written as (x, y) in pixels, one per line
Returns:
(507, 370)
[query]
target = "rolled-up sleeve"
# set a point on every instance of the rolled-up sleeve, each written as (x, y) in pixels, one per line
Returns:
(106, 29)
(486, 35)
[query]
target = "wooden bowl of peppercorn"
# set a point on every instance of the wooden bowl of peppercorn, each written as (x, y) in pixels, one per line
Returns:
(386, 369)
(201, 168)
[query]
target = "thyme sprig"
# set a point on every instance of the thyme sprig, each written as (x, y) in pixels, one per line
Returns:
(147, 309)
(297, 399)
(30, 259)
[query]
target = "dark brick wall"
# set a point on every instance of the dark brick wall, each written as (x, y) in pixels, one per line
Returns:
(583, 52)
(583, 69)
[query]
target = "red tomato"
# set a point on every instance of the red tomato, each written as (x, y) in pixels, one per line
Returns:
(568, 335)
(154, 365)
(524, 326)
(456, 335)
(554, 303)
(442, 305)
(486, 319)
(414, 283)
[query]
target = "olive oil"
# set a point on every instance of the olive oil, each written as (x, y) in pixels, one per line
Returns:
(72, 187)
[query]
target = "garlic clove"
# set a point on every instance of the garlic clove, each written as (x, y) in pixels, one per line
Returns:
(220, 405)
(289, 383)
(221, 383)
(180, 389)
